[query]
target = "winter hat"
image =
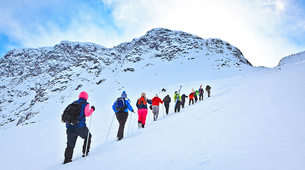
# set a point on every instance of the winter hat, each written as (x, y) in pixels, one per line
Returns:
(124, 94)
(83, 95)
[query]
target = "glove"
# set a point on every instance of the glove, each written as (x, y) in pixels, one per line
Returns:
(133, 111)
(92, 107)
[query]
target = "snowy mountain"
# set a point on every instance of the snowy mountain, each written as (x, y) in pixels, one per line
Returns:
(31, 77)
(253, 120)
(293, 58)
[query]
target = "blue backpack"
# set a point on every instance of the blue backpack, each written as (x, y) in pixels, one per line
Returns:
(120, 104)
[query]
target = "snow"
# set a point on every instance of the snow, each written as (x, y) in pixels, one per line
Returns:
(293, 58)
(253, 120)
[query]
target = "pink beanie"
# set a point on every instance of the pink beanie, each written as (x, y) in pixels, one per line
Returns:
(83, 95)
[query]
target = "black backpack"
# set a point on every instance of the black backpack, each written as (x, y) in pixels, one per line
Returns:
(120, 104)
(71, 113)
(166, 99)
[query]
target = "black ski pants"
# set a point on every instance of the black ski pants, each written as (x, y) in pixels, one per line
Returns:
(191, 101)
(200, 96)
(166, 107)
(72, 134)
(182, 103)
(177, 107)
(122, 118)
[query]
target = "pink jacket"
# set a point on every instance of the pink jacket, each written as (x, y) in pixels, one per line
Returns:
(88, 111)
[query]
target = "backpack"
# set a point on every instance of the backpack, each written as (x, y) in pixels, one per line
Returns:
(166, 99)
(120, 104)
(71, 113)
(142, 101)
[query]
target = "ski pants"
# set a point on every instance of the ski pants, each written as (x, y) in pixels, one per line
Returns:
(155, 112)
(209, 93)
(196, 98)
(166, 107)
(182, 104)
(191, 101)
(200, 96)
(177, 107)
(142, 114)
(122, 118)
(73, 133)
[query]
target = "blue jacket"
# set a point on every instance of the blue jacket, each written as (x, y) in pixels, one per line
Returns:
(127, 101)
(143, 106)
(82, 122)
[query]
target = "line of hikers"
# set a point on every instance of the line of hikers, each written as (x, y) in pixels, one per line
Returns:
(120, 107)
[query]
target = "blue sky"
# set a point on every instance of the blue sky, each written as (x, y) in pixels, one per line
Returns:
(264, 30)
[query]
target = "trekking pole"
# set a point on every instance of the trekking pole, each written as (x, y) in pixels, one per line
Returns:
(130, 118)
(163, 110)
(129, 123)
(133, 123)
(87, 137)
(148, 115)
(109, 129)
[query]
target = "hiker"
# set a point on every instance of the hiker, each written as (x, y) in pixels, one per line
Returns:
(183, 100)
(201, 91)
(177, 99)
(191, 98)
(142, 109)
(196, 96)
(155, 106)
(208, 89)
(79, 129)
(121, 107)
(166, 101)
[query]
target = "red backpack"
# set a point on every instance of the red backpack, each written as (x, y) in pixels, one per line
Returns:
(142, 101)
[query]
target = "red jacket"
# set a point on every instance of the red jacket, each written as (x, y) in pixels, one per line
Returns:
(191, 96)
(156, 101)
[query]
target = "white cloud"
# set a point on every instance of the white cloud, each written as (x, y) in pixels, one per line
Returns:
(256, 27)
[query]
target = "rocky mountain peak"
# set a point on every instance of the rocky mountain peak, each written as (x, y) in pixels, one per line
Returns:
(30, 77)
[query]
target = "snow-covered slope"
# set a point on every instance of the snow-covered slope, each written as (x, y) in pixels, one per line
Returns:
(252, 121)
(32, 77)
(293, 58)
